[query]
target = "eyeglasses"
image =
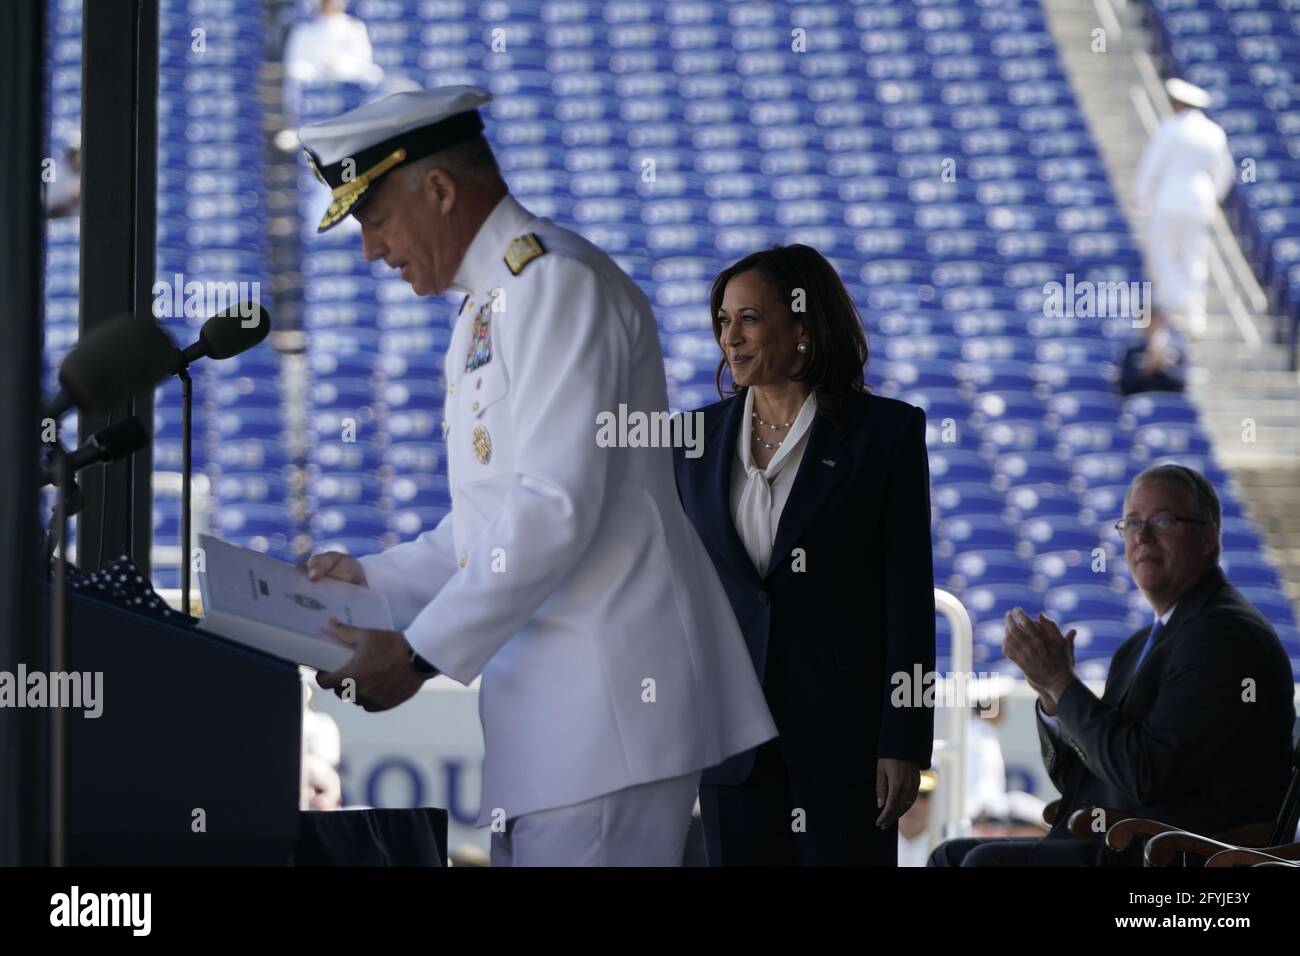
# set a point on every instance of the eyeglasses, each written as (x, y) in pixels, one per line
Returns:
(1160, 524)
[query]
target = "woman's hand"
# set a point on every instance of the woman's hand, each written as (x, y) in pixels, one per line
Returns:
(897, 784)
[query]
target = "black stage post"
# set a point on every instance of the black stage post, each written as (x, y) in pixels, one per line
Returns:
(119, 83)
(24, 741)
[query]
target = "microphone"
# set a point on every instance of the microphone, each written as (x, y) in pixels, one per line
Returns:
(227, 334)
(113, 443)
(112, 362)
(223, 336)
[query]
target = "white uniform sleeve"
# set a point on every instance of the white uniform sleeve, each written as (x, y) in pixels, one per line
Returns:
(300, 61)
(568, 356)
(358, 47)
(1225, 171)
(1150, 168)
(411, 574)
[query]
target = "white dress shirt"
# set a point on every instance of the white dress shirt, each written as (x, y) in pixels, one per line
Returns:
(758, 495)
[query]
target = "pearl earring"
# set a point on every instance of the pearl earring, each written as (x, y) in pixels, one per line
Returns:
(802, 348)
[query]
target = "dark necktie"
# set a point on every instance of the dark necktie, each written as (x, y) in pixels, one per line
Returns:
(1156, 628)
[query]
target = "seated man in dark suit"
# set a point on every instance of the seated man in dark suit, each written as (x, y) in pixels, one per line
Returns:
(1194, 728)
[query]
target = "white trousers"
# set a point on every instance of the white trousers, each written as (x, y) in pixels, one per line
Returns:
(643, 825)
(1178, 249)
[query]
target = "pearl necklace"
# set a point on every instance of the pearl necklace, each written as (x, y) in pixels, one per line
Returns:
(767, 424)
(758, 438)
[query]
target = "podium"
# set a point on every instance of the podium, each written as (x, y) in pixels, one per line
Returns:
(195, 757)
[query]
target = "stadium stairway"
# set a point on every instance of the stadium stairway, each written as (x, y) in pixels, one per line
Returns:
(1239, 373)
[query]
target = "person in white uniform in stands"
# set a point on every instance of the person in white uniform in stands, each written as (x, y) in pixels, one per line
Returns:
(333, 47)
(566, 574)
(1185, 171)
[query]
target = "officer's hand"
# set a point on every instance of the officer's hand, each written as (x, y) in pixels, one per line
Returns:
(379, 675)
(334, 564)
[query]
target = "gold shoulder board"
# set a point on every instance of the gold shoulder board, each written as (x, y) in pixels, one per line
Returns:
(523, 251)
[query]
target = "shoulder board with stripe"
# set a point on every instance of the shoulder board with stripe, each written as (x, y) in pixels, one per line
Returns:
(523, 251)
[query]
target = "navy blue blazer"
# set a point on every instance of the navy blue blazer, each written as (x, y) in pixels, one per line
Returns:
(825, 639)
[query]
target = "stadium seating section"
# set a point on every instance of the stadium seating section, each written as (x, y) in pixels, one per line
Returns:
(934, 151)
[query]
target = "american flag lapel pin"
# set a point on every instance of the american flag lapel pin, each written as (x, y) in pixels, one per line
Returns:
(828, 462)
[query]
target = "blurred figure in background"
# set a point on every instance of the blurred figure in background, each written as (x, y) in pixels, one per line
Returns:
(1157, 362)
(332, 47)
(994, 809)
(914, 826)
(1185, 172)
(321, 750)
(63, 194)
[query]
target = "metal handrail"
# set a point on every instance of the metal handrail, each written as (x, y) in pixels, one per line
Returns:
(950, 749)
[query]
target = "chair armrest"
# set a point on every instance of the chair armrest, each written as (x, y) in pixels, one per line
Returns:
(1162, 848)
(1081, 820)
(1248, 856)
(1050, 813)
(1126, 830)
(1253, 835)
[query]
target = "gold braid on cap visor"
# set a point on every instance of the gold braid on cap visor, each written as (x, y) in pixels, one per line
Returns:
(346, 195)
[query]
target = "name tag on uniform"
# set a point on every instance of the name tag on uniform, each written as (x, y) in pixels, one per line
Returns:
(480, 339)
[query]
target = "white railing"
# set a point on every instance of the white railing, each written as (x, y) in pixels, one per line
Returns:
(948, 817)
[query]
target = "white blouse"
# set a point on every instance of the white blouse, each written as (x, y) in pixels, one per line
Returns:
(758, 495)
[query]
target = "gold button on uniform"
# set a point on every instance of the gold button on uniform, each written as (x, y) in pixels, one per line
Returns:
(451, 389)
(474, 407)
(464, 560)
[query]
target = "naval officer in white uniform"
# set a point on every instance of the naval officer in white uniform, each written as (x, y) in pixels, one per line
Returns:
(566, 574)
(1185, 171)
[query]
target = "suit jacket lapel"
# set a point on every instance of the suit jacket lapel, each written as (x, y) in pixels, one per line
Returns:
(720, 445)
(825, 465)
(1189, 605)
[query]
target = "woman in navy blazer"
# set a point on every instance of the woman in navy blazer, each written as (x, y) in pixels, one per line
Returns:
(812, 498)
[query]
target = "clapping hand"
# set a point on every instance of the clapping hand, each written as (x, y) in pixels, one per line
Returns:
(1043, 653)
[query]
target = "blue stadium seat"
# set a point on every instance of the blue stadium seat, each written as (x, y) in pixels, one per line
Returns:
(1015, 435)
(1059, 568)
(976, 532)
(991, 602)
(1067, 408)
(966, 498)
(338, 487)
(1250, 569)
(956, 465)
(1030, 467)
(980, 567)
(1039, 500)
(1273, 604)
(1053, 533)
(1071, 601)
(1097, 638)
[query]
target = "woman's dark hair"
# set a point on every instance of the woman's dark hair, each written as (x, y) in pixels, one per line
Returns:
(838, 352)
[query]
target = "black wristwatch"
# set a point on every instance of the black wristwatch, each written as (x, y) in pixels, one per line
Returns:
(421, 665)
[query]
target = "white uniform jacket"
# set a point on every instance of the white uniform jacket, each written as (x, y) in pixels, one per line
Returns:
(567, 574)
(1186, 169)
